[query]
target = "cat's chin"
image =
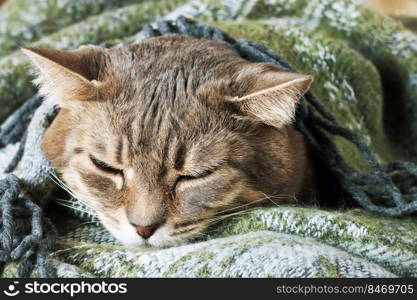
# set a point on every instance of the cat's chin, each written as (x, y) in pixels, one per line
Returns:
(160, 239)
(122, 231)
(128, 237)
(133, 244)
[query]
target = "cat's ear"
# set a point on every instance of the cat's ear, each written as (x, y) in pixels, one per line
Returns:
(66, 75)
(269, 94)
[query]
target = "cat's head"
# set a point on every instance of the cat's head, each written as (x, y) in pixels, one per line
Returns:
(162, 136)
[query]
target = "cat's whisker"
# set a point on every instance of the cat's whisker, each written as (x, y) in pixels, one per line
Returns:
(65, 187)
(196, 233)
(86, 223)
(241, 206)
(66, 200)
(70, 203)
(270, 199)
(76, 208)
(60, 183)
(280, 196)
(222, 217)
(266, 197)
(201, 234)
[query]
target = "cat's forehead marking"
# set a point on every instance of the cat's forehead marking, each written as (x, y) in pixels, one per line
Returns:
(180, 157)
(119, 151)
(163, 98)
(100, 147)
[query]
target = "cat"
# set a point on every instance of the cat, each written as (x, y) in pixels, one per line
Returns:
(162, 136)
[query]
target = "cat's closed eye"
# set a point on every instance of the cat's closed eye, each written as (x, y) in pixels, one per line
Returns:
(105, 167)
(200, 175)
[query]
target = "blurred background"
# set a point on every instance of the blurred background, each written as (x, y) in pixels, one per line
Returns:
(401, 8)
(404, 10)
(396, 8)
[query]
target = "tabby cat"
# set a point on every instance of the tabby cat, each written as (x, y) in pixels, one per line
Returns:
(162, 136)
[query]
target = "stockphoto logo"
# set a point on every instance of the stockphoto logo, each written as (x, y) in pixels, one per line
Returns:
(70, 289)
(12, 289)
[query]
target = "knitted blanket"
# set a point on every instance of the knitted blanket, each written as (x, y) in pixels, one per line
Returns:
(365, 67)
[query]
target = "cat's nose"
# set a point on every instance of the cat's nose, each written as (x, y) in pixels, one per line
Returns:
(146, 231)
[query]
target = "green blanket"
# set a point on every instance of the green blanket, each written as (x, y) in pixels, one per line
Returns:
(366, 75)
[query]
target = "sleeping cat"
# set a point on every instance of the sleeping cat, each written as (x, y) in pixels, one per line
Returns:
(161, 136)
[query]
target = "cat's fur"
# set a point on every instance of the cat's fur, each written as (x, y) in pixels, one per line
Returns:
(162, 136)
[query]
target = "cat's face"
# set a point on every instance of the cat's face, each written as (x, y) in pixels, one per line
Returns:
(163, 136)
